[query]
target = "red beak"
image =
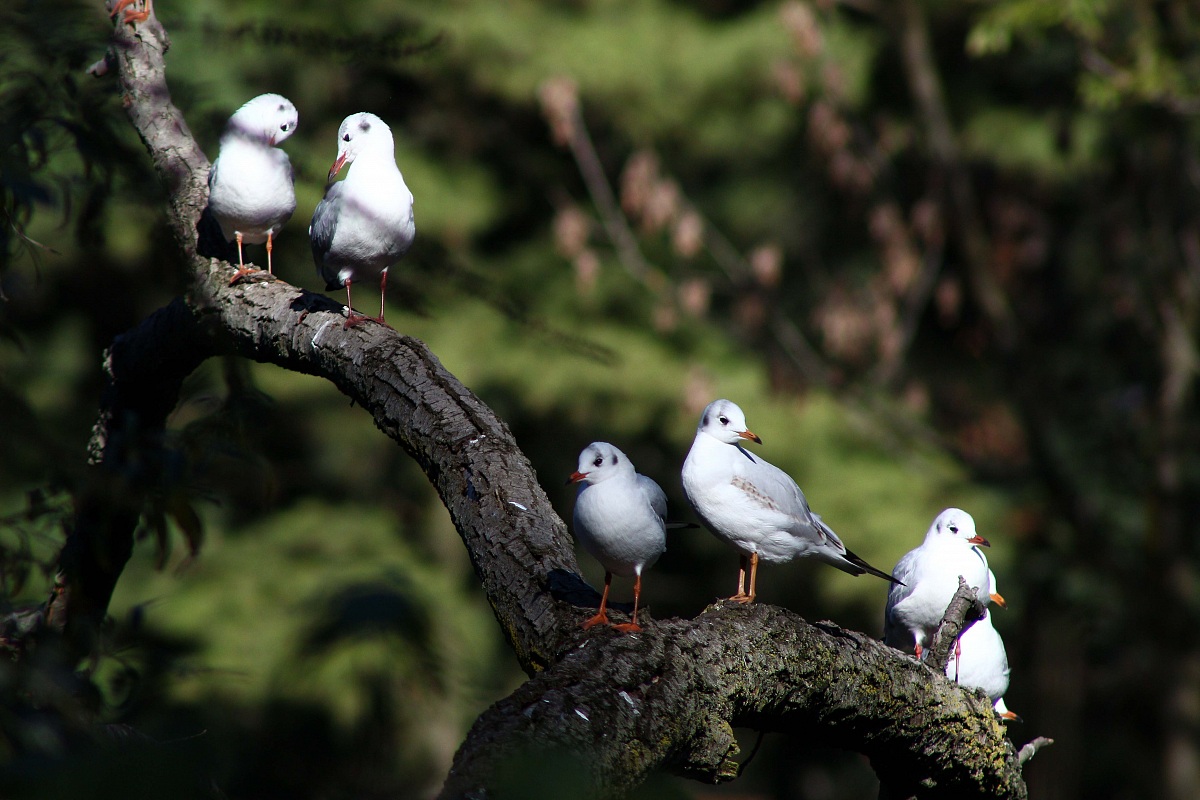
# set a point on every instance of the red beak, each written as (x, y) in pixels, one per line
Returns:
(576, 477)
(337, 167)
(977, 539)
(751, 435)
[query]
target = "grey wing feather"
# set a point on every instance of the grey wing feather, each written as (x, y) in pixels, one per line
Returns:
(655, 494)
(903, 572)
(321, 230)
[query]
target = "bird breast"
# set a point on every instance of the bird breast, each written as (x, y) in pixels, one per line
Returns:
(252, 190)
(618, 527)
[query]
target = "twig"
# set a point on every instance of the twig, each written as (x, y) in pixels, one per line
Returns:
(964, 608)
(1030, 750)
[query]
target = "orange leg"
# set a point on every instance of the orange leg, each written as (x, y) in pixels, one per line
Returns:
(270, 246)
(741, 596)
(917, 652)
(633, 627)
(753, 577)
(601, 617)
(382, 295)
(242, 270)
(353, 317)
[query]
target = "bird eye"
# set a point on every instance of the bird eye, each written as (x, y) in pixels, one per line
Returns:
(345, 137)
(284, 127)
(724, 420)
(598, 462)
(953, 528)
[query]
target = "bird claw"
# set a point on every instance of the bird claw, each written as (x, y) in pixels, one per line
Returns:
(599, 619)
(132, 17)
(355, 318)
(628, 627)
(741, 597)
(241, 273)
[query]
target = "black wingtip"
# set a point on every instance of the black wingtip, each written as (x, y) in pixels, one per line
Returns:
(867, 568)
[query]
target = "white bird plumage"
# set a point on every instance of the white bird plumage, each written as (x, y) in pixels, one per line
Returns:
(251, 189)
(752, 504)
(929, 578)
(982, 662)
(364, 224)
(620, 519)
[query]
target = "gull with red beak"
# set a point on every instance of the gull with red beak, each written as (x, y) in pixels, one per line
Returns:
(365, 223)
(620, 519)
(250, 186)
(930, 576)
(754, 505)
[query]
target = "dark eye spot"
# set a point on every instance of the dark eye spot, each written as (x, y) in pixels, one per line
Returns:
(724, 419)
(598, 462)
(364, 126)
(953, 528)
(616, 460)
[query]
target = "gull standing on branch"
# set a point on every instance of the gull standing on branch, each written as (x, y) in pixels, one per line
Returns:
(754, 505)
(250, 185)
(620, 519)
(930, 576)
(983, 662)
(365, 223)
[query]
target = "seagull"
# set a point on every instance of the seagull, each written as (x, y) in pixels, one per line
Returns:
(754, 505)
(365, 223)
(982, 662)
(620, 519)
(930, 578)
(250, 186)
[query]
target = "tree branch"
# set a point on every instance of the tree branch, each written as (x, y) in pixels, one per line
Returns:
(964, 609)
(669, 698)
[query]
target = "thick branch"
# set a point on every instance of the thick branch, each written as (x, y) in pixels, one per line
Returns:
(670, 697)
(145, 369)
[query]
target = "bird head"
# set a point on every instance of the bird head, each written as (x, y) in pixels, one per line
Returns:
(361, 133)
(600, 461)
(723, 420)
(954, 524)
(268, 118)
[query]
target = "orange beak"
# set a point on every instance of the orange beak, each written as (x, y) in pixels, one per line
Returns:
(998, 599)
(751, 435)
(977, 539)
(576, 477)
(337, 167)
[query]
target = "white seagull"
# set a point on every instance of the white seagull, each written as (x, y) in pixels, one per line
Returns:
(250, 185)
(365, 223)
(620, 519)
(754, 505)
(929, 576)
(982, 662)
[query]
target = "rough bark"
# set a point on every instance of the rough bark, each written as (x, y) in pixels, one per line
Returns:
(664, 699)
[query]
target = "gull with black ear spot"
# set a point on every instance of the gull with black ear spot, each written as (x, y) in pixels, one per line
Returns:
(251, 189)
(364, 224)
(982, 662)
(930, 573)
(620, 519)
(754, 505)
